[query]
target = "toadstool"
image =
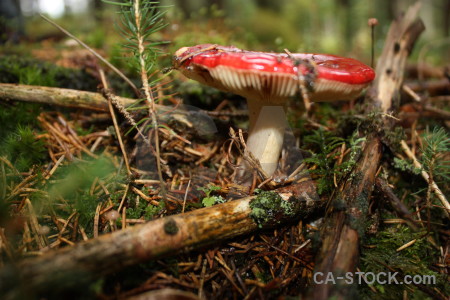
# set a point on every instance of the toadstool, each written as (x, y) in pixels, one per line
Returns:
(267, 81)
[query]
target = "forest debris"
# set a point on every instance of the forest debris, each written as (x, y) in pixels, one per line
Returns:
(40, 238)
(410, 92)
(431, 87)
(161, 237)
(343, 228)
(406, 245)
(398, 206)
(425, 70)
(436, 190)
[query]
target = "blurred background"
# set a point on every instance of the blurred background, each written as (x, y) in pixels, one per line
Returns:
(328, 26)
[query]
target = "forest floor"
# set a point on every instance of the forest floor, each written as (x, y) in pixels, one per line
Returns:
(70, 175)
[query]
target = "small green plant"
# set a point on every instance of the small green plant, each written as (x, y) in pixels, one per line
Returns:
(434, 150)
(355, 143)
(34, 73)
(435, 146)
(141, 20)
(324, 144)
(137, 210)
(19, 114)
(211, 200)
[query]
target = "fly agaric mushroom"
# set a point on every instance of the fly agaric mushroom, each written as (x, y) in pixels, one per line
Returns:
(267, 81)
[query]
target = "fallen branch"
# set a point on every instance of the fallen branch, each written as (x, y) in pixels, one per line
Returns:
(58, 96)
(86, 261)
(399, 207)
(192, 121)
(344, 223)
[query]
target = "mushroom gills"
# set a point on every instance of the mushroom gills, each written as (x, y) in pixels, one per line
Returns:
(240, 82)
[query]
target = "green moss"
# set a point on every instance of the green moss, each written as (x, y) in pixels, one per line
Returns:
(18, 114)
(267, 207)
(392, 138)
(23, 70)
(18, 142)
(417, 259)
(22, 148)
(151, 211)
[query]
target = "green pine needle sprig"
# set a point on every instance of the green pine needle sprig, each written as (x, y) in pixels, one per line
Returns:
(436, 145)
(138, 27)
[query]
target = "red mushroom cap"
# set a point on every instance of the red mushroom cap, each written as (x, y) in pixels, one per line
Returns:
(273, 76)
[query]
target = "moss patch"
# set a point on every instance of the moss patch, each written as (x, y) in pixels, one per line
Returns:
(268, 207)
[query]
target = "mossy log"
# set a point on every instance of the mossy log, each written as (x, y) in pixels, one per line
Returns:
(345, 221)
(59, 270)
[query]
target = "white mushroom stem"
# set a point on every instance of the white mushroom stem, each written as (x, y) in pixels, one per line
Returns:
(266, 133)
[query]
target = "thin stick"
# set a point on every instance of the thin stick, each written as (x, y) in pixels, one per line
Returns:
(136, 90)
(148, 94)
(427, 178)
(124, 197)
(116, 125)
(202, 280)
(372, 23)
(185, 195)
(96, 220)
(3, 175)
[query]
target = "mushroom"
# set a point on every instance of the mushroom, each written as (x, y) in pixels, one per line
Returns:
(267, 81)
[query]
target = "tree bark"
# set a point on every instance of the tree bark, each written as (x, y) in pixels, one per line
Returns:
(86, 261)
(344, 224)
